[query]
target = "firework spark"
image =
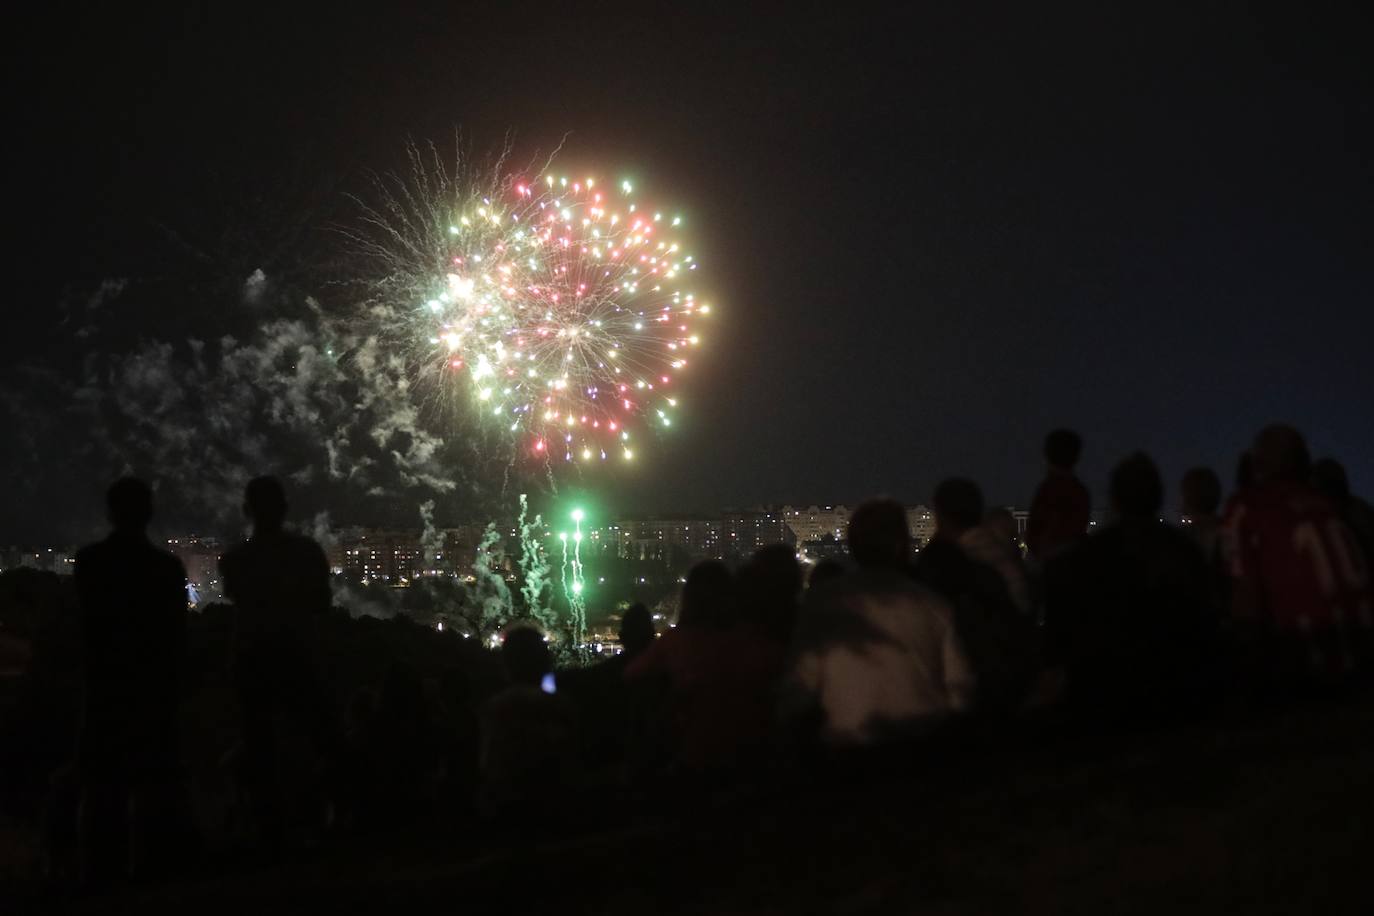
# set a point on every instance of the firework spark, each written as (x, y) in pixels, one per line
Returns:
(560, 310)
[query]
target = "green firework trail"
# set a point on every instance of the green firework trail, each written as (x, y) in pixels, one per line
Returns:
(577, 601)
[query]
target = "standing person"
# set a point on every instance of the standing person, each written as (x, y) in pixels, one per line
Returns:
(876, 655)
(133, 614)
(1300, 582)
(1061, 508)
(278, 582)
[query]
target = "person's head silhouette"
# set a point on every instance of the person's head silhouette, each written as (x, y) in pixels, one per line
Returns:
(1280, 453)
(1201, 493)
(958, 505)
(826, 570)
(129, 504)
(264, 502)
(878, 534)
(636, 629)
(1136, 488)
(1062, 448)
(1328, 475)
(708, 596)
(526, 655)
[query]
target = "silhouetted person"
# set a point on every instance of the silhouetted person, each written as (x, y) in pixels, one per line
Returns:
(991, 540)
(973, 569)
(1200, 502)
(876, 655)
(279, 584)
(1328, 475)
(1200, 495)
(770, 585)
(133, 612)
(637, 631)
(824, 571)
(1300, 594)
(610, 721)
(1061, 508)
(720, 671)
(1128, 613)
(1001, 522)
(1245, 472)
(528, 738)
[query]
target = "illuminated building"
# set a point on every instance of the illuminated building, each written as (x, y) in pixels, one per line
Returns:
(745, 531)
(815, 522)
(920, 521)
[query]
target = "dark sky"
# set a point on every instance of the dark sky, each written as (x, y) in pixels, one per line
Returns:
(931, 234)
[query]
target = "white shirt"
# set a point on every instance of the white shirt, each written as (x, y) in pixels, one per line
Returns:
(878, 653)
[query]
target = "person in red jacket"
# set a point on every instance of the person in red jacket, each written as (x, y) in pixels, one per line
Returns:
(1059, 513)
(1301, 598)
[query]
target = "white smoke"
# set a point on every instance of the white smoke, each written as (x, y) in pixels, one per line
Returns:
(255, 287)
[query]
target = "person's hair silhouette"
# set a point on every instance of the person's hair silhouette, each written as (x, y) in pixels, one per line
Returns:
(826, 570)
(1062, 448)
(129, 504)
(958, 505)
(1201, 492)
(526, 656)
(264, 502)
(1136, 488)
(878, 534)
(636, 630)
(708, 596)
(1280, 453)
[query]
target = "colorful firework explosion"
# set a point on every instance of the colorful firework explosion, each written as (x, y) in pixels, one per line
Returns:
(559, 310)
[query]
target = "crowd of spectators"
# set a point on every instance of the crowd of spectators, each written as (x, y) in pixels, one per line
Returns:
(1262, 595)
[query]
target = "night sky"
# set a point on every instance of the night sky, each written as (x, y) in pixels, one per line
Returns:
(930, 235)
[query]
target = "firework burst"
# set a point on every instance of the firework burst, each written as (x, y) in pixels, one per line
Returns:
(557, 309)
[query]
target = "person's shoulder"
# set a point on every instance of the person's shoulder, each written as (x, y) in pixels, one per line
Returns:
(875, 580)
(301, 544)
(516, 698)
(894, 585)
